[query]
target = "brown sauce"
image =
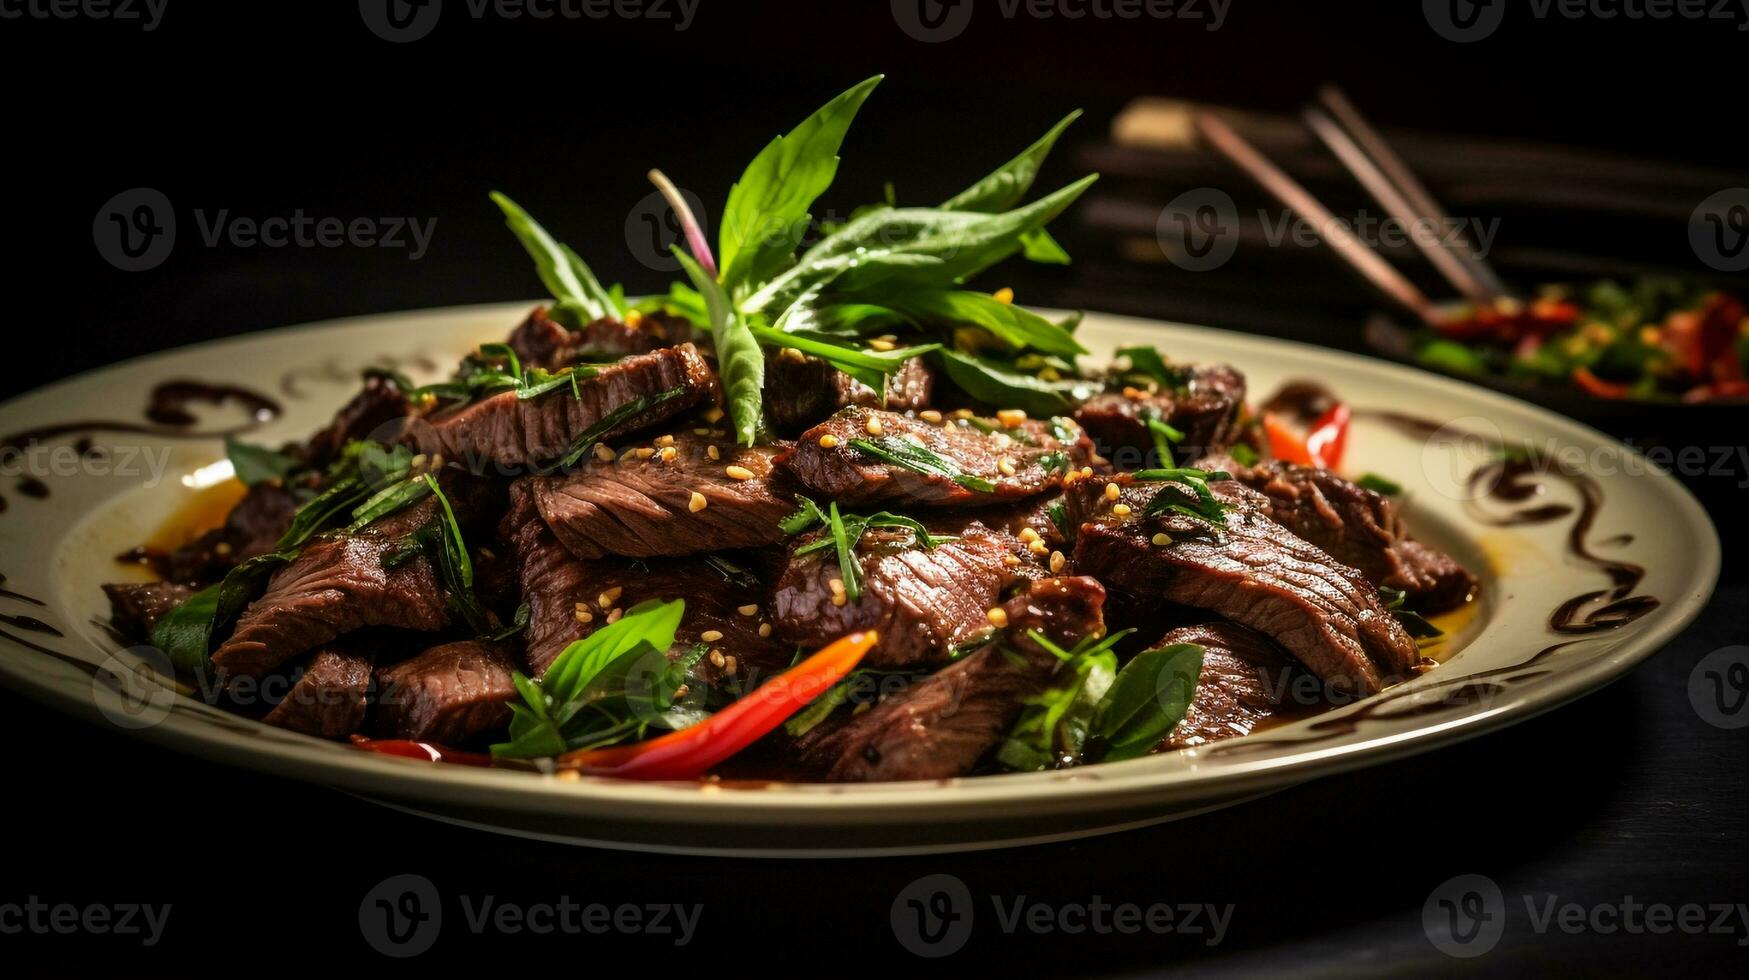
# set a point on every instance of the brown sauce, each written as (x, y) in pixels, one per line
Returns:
(167, 414)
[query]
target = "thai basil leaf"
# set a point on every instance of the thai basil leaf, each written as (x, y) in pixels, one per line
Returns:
(740, 362)
(908, 455)
(1148, 361)
(257, 464)
(767, 211)
(187, 632)
(1007, 186)
(566, 276)
(1013, 326)
(870, 367)
(997, 383)
(1147, 700)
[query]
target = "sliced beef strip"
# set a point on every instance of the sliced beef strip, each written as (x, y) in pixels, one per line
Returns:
(1357, 527)
(1206, 411)
(508, 433)
(541, 341)
(448, 694)
(942, 725)
(379, 403)
(801, 391)
(564, 594)
(135, 608)
(642, 504)
(1250, 570)
(330, 696)
(1032, 464)
(1244, 677)
(339, 584)
(924, 602)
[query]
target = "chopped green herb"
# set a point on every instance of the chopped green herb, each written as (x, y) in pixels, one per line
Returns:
(910, 456)
(1379, 484)
(1147, 361)
(257, 464)
(587, 439)
(1243, 455)
(1188, 495)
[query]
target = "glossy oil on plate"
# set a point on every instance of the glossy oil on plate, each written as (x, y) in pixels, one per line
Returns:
(1547, 511)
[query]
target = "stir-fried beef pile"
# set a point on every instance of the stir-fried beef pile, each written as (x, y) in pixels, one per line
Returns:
(822, 511)
(987, 547)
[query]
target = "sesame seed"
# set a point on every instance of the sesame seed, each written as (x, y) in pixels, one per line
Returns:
(681, 691)
(603, 453)
(1010, 560)
(645, 452)
(738, 472)
(418, 461)
(584, 615)
(437, 461)
(881, 344)
(1162, 539)
(1057, 561)
(717, 658)
(222, 548)
(930, 415)
(1038, 547)
(1003, 295)
(665, 440)
(568, 776)
(713, 415)
(997, 616)
(962, 413)
(1006, 466)
(828, 440)
(792, 355)
(711, 636)
(839, 598)
(1010, 417)
(713, 452)
(613, 617)
(669, 453)
(748, 610)
(1121, 510)
(609, 597)
(701, 432)
(697, 503)
(1112, 492)
(1086, 472)
(729, 664)
(835, 584)
(874, 425)
(764, 629)
(487, 554)
(633, 318)
(1029, 535)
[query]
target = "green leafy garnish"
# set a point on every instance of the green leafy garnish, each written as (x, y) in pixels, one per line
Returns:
(740, 363)
(767, 211)
(187, 633)
(581, 297)
(1164, 436)
(1012, 326)
(363, 470)
(908, 455)
(1200, 503)
(586, 440)
(589, 698)
(1054, 726)
(1147, 360)
(1379, 484)
(1415, 624)
(997, 382)
(844, 531)
(870, 367)
(1007, 186)
(1243, 455)
(1147, 700)
(257, 464)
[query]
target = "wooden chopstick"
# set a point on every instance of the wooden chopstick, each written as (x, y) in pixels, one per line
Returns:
(1295, 197)
(1398, 207)
(1392, 166)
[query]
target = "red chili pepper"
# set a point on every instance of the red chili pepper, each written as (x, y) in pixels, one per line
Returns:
(1595, 385)
(1328, 439)
(1720, 391)
(1284, 442)
(691, 752)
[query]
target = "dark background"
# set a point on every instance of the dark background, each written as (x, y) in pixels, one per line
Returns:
(267, 108)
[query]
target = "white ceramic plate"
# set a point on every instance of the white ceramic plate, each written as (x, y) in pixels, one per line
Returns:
(1503, 664)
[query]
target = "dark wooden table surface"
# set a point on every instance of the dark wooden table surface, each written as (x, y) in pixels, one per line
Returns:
(1625, 797)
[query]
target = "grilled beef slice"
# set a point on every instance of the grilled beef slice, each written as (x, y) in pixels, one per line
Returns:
(1357, 527)
(1029, 459)
(940, 726)
(1242, 677)
(1206, 411)
(509, 433)
(923, 602)
(543, 342)
(565, 599)
(135, 608)
(1248, 569)
(329, 698)
(447, 694)
(339, 584)
(646, 501)
(380, 402)
(801, 391)
(253, 527)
